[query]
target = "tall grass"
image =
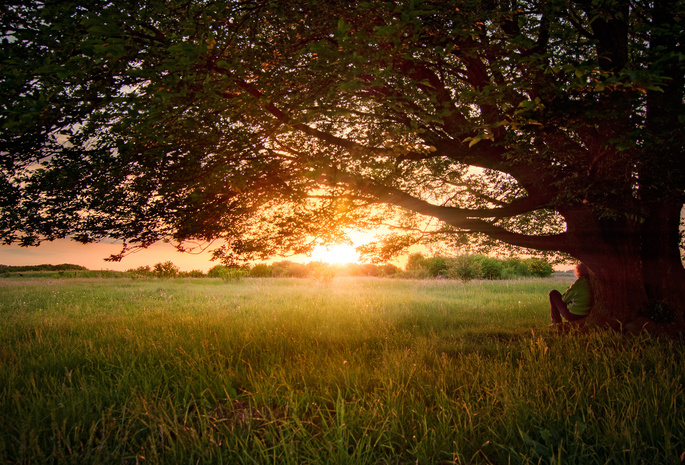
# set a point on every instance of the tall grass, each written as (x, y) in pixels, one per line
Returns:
(298, 371)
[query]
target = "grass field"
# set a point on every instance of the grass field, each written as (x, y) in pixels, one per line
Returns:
(353, 371)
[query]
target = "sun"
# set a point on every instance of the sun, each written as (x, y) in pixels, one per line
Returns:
(336, 254)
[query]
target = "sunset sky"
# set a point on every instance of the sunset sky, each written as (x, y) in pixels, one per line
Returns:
(92, 256)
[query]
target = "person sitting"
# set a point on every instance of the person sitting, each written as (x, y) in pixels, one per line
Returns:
(576, 302)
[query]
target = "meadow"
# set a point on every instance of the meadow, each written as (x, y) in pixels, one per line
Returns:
(351, 371)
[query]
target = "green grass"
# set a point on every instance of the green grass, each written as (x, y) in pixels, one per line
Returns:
(283, 371)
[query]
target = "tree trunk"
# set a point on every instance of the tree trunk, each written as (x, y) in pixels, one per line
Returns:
(662, 180)
(662, 266)
(618, 289)
(637, 276)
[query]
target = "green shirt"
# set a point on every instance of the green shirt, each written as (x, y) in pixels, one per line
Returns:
(578, 298)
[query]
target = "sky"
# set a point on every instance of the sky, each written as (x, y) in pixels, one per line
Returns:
(92, 256)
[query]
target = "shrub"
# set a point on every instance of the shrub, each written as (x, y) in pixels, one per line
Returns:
(323, 271)
(261, 271)
(539, 267)
(44, 267)
(369, 269)
(192, 274)
(348, 269)
(140, 272)
(416, 262)
(226, 273)
(436, 266)
(388, 270)
(287, 269)
(233, 274)
(515, 268)
(166, 270)
(464, 267)
(217, 271)
(491, 268)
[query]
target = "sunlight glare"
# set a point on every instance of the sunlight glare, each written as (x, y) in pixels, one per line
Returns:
(336, 254)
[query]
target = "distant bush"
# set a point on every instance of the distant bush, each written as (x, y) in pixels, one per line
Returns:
(436, 266)
(539, 268)
(28, 268)
(217, 271)
(416, 262)
(165, 270)
(465, 268)
(288, 269)
(227, 273)
(515, 268)
(260, 271)
(388, 270)
(320, 270)
(92, 274)
(191, 274)
(234, 274)
(141, 272)
(468, 267)
(491, 268)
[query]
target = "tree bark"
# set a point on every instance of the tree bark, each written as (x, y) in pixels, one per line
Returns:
(612, 254)
(637, 276)
(662, 266)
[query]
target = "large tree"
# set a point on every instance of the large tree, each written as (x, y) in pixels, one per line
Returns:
(553, 125)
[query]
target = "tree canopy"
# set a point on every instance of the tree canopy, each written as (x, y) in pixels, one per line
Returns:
(553, 125)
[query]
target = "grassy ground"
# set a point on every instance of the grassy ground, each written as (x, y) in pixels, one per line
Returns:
(352, 371)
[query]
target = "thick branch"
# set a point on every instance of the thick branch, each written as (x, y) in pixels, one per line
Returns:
(468, 220)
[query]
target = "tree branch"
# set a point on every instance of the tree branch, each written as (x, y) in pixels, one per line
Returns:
(469, 220)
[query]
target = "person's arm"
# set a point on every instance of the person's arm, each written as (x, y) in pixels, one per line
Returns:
(570, 293)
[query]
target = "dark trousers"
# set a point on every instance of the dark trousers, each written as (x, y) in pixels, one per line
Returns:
(558, 309)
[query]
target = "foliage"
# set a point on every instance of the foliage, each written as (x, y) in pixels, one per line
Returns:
(277, 126)
(492, 268)
(437, 266)
(353, 371)
(217, 271)
(415, 261)
(321, 270)
(25, 268)
(234, 274)
(387, 269)
(539, 268)
(260, 271)
(288, 269)
(465, 267)
(226, 273)
(515, 267)
(191, 274)
(141, 272)
(165, 270)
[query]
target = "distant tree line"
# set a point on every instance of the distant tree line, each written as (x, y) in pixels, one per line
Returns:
(468, 267)
(463, 267)
(164, 270)
(29, 268)
(282, 269)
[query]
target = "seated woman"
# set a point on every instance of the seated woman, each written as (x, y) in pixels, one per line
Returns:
(575, 303)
